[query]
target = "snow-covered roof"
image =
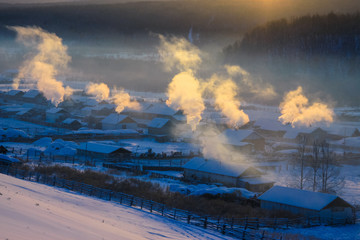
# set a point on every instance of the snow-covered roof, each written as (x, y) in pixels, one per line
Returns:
(158, 122)
(298, 198)
(98, 147)
(55, 110)
(13, 92)
(114, 118)
(161, 109)
(32, 93)
(5, 158)
(292, 133)
(235, 137)
(70, 120)
(216, 167)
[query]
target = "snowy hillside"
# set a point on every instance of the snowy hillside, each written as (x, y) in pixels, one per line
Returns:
(33, 211)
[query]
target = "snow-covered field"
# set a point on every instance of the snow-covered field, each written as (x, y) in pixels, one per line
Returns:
(34, 211)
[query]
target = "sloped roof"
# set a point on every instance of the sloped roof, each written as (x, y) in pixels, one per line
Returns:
(55, 110)
(32, 93)
(234, 137)
(5, 158)
(114, 118)
(161, 109)
(298, 198)
(158, 122)
(216, 167)
(99, 147)
(14, 92)
(70, 120)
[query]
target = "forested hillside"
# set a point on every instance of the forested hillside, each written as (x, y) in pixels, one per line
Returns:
(330, 35)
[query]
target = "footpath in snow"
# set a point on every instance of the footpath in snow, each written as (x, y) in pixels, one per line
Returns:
(34, 211)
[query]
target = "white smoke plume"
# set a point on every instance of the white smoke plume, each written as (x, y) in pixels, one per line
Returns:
(48, 59)
(251, 84)
(184, 93)
(178, 53)
(225, 92)
(123, 100)
(101, 91)
(295, 109)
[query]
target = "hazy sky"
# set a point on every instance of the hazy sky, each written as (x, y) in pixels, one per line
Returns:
(83, 1)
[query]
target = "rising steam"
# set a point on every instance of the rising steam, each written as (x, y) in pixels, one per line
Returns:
(250, 84)
(226, 102)
(178, 53)
(295, 109)
(48, 59)
(184, 93)
(101, 91)
(123, 100)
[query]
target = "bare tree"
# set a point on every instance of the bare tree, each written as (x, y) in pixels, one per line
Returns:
(301, 158)
(315, 164)
(329, 170)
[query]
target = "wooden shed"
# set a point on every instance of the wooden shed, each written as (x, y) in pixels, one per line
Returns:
(330, 209)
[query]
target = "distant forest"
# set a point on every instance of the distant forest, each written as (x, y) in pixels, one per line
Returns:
(320, 52)
(78, 20)
(330, 35)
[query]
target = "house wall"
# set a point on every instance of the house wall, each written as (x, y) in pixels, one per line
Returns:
(334, 215)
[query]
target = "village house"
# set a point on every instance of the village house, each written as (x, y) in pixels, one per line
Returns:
(329, 208)
(243, 139)
(34, 96)
(161, 126)
(118, 121)
(104, 152)
(55, 115)
(71, 123)
(229, 174)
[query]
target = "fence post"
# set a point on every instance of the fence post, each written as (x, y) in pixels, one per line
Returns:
(246, 223)
(174, 213)
(275, 223)
(121, 197)
(142, 202)
(257, 223)
(131, 201)
(243, 235)
(162, 210)
(262, 235)
(223, 229)
(151, 206)
(188, 218)
(110, 195)
(54, 180)
(205, 222)
(232, 223)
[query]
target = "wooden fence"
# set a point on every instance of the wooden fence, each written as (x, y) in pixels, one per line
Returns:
(239, 228)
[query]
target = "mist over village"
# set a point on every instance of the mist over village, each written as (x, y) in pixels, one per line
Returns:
(179, 119)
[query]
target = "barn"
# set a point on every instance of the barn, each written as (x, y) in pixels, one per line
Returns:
(103, 151)
(229, 174)
(329, 208)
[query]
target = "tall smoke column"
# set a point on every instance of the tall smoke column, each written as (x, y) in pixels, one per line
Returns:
(184, 93)
(122, 100)
(50, 58)
(295, 109)
(225, 101)
(100, 90)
